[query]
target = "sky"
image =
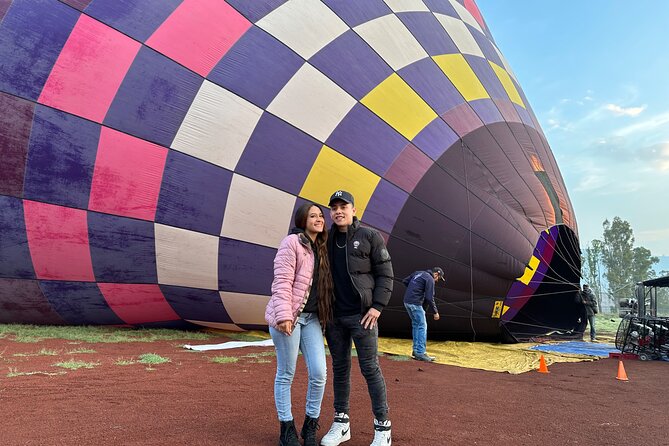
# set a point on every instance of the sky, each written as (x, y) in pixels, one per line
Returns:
(596, 74)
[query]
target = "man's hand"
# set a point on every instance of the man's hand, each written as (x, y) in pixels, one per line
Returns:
(436, 316)
(286, 327)
(370, 319)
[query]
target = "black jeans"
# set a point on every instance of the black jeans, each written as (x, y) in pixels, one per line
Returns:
(339, 334)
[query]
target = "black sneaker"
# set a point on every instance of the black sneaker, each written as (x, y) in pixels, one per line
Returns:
(423, 357)
(309, 431)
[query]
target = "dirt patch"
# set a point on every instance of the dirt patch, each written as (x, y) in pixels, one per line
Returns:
(193, 400)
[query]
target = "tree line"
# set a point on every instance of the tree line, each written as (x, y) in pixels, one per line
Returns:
(613, 265)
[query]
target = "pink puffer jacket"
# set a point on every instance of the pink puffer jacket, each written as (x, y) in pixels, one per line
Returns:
(293, 273)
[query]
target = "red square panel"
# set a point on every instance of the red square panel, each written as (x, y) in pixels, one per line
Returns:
(127, 176)
(58, 242)
(408, 168)
(137, 303)
(199, 33)
(89, 70)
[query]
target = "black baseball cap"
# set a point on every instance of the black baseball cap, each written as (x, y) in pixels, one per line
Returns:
(440, 273)
(342, 195)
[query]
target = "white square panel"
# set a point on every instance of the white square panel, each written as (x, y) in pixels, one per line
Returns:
(245, 308)
(406, 5)
(312, 102)
(257, 213)
(460, 34)
(392, 40)
(217, 127)
(507, 67)
(186, 258)
(305, 26)
(466, 16)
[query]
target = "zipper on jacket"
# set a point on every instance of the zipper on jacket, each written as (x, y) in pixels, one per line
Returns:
(348, 271)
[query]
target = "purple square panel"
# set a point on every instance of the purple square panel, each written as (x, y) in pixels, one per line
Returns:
(61, 157)
(22, 302)
(367, 140)
(278, 154)
(193, 194)
(428, 31)
(385, 206)
(136, 18)
(79, 303)
(487, 111)
(357, 12)
(16, 118)
(245, 267)
(435, 138)
(15, 259)
(431, 84)
(32, 35)
(487, 76)
(486, 46)
(257, 67)
(351, 64)
(153, 98)
(196, 304)
(123, 250)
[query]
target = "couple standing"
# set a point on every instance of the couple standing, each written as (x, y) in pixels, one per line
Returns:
(339, 283)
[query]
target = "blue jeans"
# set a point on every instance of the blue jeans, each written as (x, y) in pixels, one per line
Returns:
(591, 321)
(307, 337)
(340, 332)
(418, 328)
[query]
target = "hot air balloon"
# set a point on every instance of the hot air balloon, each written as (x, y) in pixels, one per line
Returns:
(152, 153)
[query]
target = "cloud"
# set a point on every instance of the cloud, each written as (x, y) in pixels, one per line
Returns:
(652, 123)
(621, 111)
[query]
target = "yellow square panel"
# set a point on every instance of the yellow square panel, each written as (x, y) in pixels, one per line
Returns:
(529, 271)
(507, 83)
(332, 171)
(463, 77)
(397, 104)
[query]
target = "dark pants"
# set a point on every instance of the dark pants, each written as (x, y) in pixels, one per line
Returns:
(339, 334)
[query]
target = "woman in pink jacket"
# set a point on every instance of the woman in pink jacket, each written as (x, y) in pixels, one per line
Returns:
(301, 304)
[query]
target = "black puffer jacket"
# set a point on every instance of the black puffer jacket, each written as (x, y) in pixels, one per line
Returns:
(368, 263)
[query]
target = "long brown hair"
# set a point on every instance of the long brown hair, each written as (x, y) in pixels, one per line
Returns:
(324, 286)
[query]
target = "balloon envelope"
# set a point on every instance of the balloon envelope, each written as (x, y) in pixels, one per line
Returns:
(153, 154)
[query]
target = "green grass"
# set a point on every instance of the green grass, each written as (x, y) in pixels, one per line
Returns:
(42, 352)
(74, 364)
(606, 324)
(36, 333)
(224, 359)
(121, 361)
(152, 358)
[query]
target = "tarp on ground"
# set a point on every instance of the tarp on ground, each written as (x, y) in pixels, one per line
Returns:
(579, 347)
(511, 358)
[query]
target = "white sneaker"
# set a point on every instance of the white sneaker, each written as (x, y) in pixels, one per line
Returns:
(382, 435)
(339, 432)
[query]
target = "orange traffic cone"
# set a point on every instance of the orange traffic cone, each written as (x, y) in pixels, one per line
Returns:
(542, 365)
(622, 376)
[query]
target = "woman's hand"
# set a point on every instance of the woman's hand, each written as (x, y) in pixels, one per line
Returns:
(286, 327)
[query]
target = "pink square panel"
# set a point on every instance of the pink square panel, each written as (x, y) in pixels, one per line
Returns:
(137, 303)
(408, 168)
(199, 33)
(89, 70)
(127, 175)
(58, 242)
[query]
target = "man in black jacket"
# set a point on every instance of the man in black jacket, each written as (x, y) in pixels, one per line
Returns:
(590, 303)
(363, 281)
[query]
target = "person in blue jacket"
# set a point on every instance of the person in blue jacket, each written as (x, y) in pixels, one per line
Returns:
(420, 289)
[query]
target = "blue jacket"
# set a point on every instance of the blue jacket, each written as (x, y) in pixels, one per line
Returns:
(420, 289)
